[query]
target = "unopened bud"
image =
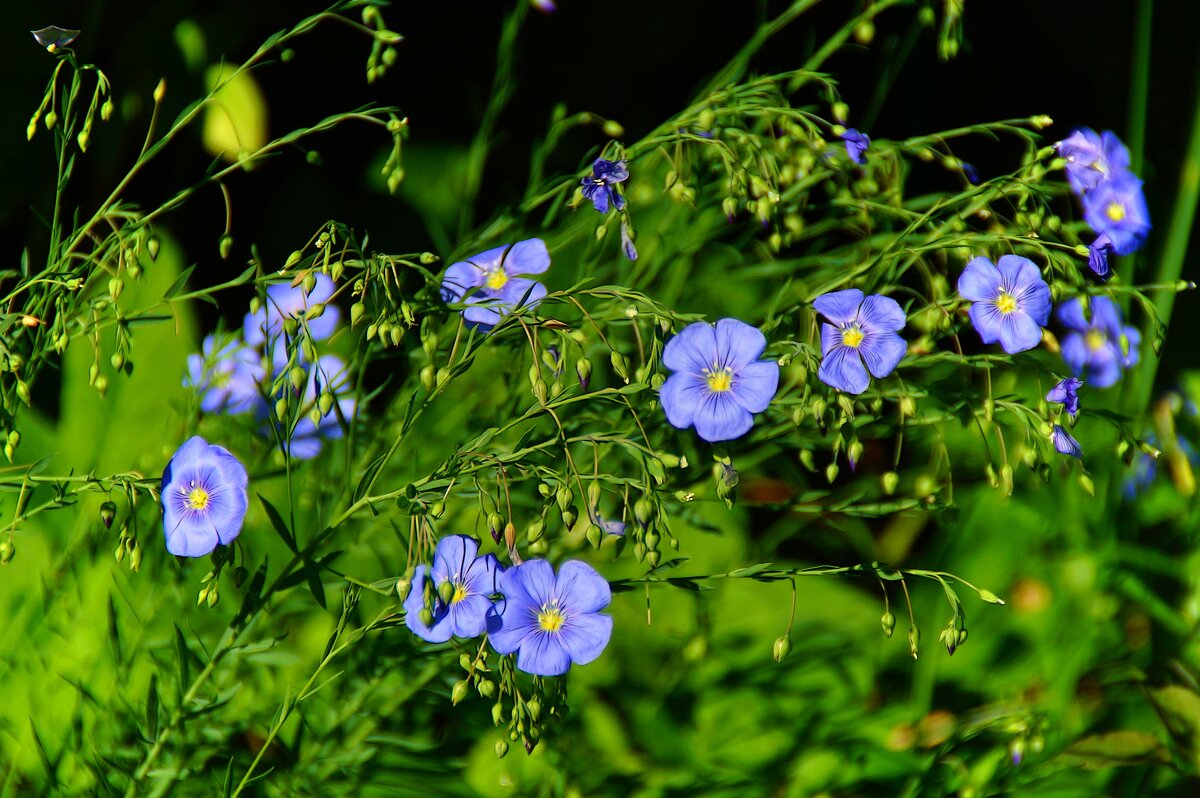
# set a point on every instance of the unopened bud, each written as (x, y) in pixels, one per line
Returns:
(425, 616)
(427, 378)
(160, 90)
(914, 640)
(888, 622)
(501, 745)
(445, 591)
(108, 511)
(460, 691)
(106, 111)
(7, 550)
(403, 587)
(780, 649)
(889, 480)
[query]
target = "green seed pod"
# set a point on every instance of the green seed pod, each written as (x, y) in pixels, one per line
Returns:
(225, 246)
(425, 616)
(780, 649)
(594, 535)
(7, 551)
(501, 745)
(403, 587)
(914, 640)
(356, 312)
(325, 403)
(653, 557)
(831, 472)
(535, 531)
(888, 622)
(445, 591)
(427, 378)
(460, 691)
(498, 716)
(889, 481)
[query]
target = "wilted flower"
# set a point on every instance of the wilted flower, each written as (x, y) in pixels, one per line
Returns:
(490, 282)
(600, 186)
(1099, 349)
(1092, 158)
(719, 382)
(459, 593)
(608, 527)
(1099, 251)
(1066, 393)
(286, 301)
(1117, 208)
(551, 622)
(1011, 301)
(1064, 443)
(862, 330)
(856, 144)
(227, 375)
(203, 498)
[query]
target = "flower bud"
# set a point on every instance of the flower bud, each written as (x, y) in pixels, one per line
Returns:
(51, 119)
(7, 550)
(460, 691)
(613, 129)
(914, 640)
(643, 511)
(403, 587)
(108, 511)
(781, 648)
(535, 531)
(990, 597)
(325, 403)
(160, 90)
(888, 622)
(501, 745)
(425, 616)
(427, 378)
(889, 480)
(495, 524)
(653, 558)
(445, 591)
(831, 472)
(583, 369)
(594, 535)
(497, 719)
(569, 517)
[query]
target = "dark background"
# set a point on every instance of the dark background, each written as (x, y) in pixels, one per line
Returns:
(631, 60)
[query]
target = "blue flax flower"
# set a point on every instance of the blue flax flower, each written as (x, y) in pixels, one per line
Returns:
(1117, 208)
(490, 282)
(1099, 251)
(1066, 393)
(1098, 350)
(328, 376)
(600, 185)
(861, 330)
(203, 498)
(551, 621)
(719, 382)
(1011, 301)
(1064, 443)
(284, 301)
(1092, 158)
(457, 589)
(856, 144)
(227, 375)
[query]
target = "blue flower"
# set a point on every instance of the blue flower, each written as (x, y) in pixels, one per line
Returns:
(1091, 158)
(627, 241)
(1066, 393)
(606, 526)
(490, 282)
(458, 594)
(1117, 208)
(1064, 443)
(203, 498)
(284, 301)
(227, 375)
(1099, 251)
(551, 622)
(1011, 301)
(327, 377)
(862, 329)
(1098, 350)
(719, 382)
(856, 144)
(599, 187)
(970, 173)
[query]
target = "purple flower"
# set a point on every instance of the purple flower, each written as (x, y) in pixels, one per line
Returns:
(599, 187)
(327, 377)
(1011, 301)
(1098, 350)
(606, 526)
(856, 144)
(1091, 158)
(457, 590)
(551, 622)
(1064, 443)
(203, 498)
(719, 382)
(627, 241)
(861, 330)
(490, 282)
(1099, 251)
(1066, 393)
(969, 172)
(1117, 208)
(284, 301)
(227, 374)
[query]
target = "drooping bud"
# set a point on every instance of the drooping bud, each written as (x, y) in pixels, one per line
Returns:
(889, 481)
(7, 551)
(108, 511)
(888, 622)
(781, 648)
(403, 587)
(460, 691)
(501, 745)
(914, 640)
(445, 591)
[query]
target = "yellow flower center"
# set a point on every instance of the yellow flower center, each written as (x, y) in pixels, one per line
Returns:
(1006, 303)
(1115, 211)
(496, 279)
(719, 379)
(197, 498)
(1096, 339)
(460, 593)
(852, 336)
(551, 618)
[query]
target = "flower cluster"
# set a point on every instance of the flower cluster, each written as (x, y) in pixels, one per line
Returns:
(491, 284)
(237, 374)
(1113, 202)
(1100, 348)
(550, 622)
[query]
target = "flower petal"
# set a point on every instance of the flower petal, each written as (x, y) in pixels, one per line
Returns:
(520, 292)
(881, 314)
(543, 654)
(738, 343)
(453, 557)
(988, 321)
(883, 352)
(1019, 333)
(581, 588)
(585, 636)
(458, 281)
(189, 537)
(680, 396)
(839, 306)
(720, 418)
(979, 281)
(468, 618)
(692, 349)
(1070, 314)
(509, 623)
(532, 582)
(842, 368)
(754, 386)
(527, 257)
(1075, 353)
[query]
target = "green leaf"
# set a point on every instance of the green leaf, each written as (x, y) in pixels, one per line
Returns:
(278, 524)
(1115, 749)
(180, 282)
(632, 388)
(152, 707)
(313, 575)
